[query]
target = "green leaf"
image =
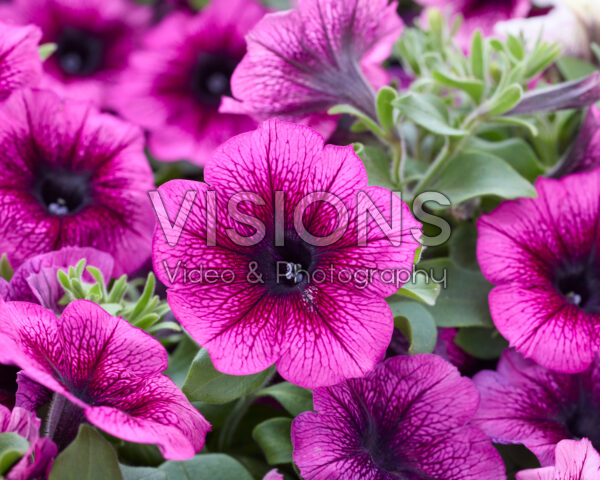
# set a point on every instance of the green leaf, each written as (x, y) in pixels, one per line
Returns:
(140, 454)
(463, 299)
(420, 288)
(89, 457)
(142, 473)
(293, 398)
(181, 359)
(517, 458)
(46, 49)
(12, 448)
(472, 86)
(385, 109)
(416, 323)
(514, 151)
(518, 122)
(483, 343)
(463, 244)
(573, 68)
(205, 384)
(515, 47)
(6, 271)
(504, 101)
(377, 164)
(542, 56)
(478, 56)
(274, 438)
(355, 112)
(208, 466)
(474, 174)
(428, 112)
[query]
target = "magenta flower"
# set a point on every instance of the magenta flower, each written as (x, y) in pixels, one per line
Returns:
(585, 154)
(94, 39)
(20, 63)
(450, 351)
(284, 298)
(541, 254)
(408, 418)
(70, 176)
(102, 369)
(302, 62)
(175, 84)
(273, 475)
(479, 14)
(36, 463)
(525, 403)
(575, 460)
(36, 279)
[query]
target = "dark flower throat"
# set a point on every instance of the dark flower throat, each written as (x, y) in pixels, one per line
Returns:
(579, 283)
(79, 53)
(62, 192)
(286, 268)
(211, 78)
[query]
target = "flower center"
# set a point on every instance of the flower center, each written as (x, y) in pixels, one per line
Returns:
(286, 268)
(79, 52)
(62, 192)
(381, 450)
(211, 78)
(579, 283)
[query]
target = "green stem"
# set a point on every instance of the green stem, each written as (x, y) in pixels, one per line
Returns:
(238, 412)
(448, 152)
(232, 422)
(63, 420)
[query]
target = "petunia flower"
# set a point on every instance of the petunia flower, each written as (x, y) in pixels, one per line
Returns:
(273, 475)
(175, 83)
(103, 370)
(314, 307)
(542, 255)
(36, 279)
(479, 14)
(575, 460)
(564, 96)
(408, 418)
(94, 38)
(571, 23)
(528, 404)
(20, 63)
(302, 62)
(585, 153)
(70, 176)
(36, 463)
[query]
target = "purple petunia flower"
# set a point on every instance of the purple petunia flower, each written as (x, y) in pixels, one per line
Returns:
(408, 418)
(575, 460)
(525, 403)
(542, 255)
(20, 63)
(36, 463)
(302, 62)
(70, 176)
(479, 14)
(102, 369)
(36, 279)
(175, 84)
(284, 297)
(94, 39)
